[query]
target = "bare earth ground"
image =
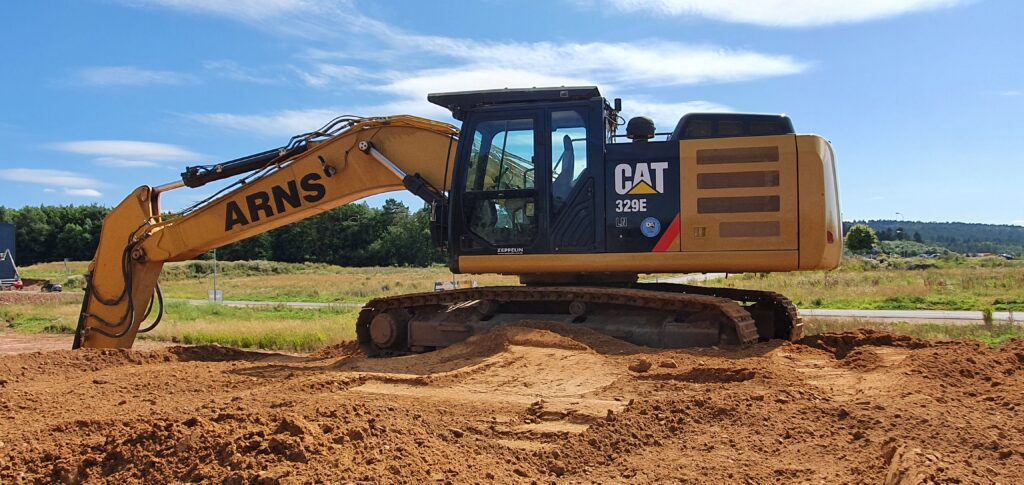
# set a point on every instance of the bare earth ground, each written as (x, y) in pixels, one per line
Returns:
(538, 403)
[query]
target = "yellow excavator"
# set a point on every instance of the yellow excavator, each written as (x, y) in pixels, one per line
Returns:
(537, 183)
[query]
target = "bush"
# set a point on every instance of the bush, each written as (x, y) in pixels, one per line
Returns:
(910, 248)
(861, 238)
(201, 269)
(75, 282)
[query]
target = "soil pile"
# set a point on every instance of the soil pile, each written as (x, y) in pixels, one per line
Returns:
(533, 403)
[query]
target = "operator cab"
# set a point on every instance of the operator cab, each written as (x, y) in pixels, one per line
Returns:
(541, 171)
(527, 170)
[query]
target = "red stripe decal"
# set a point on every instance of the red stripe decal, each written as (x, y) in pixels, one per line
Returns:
(668, 237)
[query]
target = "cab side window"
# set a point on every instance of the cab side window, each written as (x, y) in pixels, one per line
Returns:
(568, 155)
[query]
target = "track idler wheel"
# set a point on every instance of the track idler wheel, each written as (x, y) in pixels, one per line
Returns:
(387, 331)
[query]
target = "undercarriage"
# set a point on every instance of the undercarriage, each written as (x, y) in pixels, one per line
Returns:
(659, 315)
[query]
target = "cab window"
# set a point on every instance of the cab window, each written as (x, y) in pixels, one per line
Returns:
(568, 154)
(500, 198)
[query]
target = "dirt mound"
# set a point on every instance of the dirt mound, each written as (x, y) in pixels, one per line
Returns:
(533, 402)
(339, 351)
(841, 344)
(85, 361)
(537, 333)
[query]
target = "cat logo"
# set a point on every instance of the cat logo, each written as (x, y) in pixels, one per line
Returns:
(645, 179)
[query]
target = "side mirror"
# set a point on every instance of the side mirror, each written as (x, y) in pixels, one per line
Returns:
(618, 104)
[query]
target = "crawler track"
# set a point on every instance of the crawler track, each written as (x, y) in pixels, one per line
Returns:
(776, 316)
(641, 308)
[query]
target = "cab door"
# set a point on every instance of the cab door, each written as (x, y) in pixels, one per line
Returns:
(497, 206)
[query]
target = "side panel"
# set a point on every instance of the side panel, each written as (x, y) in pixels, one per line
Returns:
(819, 205)
(642, 197)
(739, 194)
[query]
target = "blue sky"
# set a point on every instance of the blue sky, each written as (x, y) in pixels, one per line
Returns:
(922, 99)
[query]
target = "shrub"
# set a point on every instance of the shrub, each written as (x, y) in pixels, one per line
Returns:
(861, 238)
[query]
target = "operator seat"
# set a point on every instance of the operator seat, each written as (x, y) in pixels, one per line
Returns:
(562, 185)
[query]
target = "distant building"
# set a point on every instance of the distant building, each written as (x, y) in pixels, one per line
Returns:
(7, 268)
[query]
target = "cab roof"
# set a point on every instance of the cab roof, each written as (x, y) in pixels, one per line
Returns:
(460, 102)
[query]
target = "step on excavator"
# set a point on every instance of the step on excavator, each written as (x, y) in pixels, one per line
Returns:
(537, 183)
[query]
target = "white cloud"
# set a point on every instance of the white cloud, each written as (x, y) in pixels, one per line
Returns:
(128, 150)
(614, 67)
(237, 9)
(83, 192)
(650, 62)
(438, 63)
(49, 190)
(131, 76)
(304, 18)
(471, 65)
(237, 72)
(1011, 93)
(782, 13)
(53, 178)
(280, 123)
(323, 74)
(286, 123)
(123, 163)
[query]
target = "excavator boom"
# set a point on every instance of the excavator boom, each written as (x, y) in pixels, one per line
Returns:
(369, 156)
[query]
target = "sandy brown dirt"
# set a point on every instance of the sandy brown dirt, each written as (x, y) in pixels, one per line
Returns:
(520, 405)
(12, 342)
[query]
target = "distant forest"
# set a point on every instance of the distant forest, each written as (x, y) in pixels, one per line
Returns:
(350, 235)
(392, 235)
(960, 237)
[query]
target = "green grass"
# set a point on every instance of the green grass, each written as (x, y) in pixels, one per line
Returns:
(327, 284)
(303, 330)
(993, 335)
(273, 281)
(44, 317)
(947, 283)
(274, 328)
(972, 284)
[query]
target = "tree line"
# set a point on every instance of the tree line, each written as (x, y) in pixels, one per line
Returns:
(350, 235)
(960, 237)
(392, 235)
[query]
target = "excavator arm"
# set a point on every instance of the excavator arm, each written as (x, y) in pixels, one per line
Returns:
(349, 159)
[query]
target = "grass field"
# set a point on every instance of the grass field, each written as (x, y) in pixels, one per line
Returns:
(965, 284)
(303, 330)
(998, 286)
(897, 284)
(995, 334)
(334, 285)
(272, 281)
(276, 328)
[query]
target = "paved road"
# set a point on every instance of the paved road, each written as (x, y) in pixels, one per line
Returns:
(911, 316)
(933, 315)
